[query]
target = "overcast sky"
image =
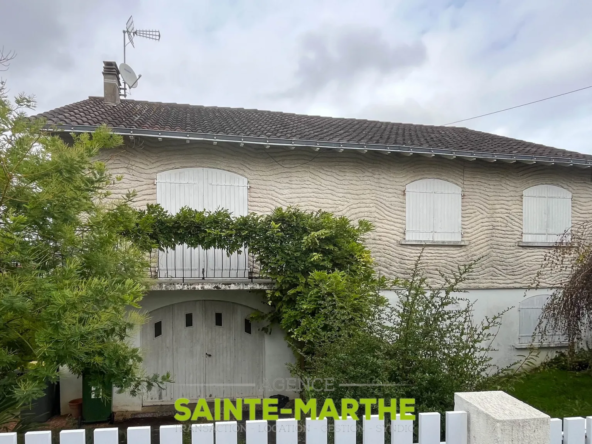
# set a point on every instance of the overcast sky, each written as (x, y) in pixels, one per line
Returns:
(422, 61)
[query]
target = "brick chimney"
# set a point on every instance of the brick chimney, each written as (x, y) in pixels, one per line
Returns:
(111, 82)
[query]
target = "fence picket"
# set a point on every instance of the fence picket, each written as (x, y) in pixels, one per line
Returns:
(589, 430)
(345, 431)
(226, 432)
(429, 428)
(286, 431)
(574, 430)
(106, 436)
(73, 436)
(171, 434)
(38, 437)
(373, 430)
(456, 427)
(7, 438)
(257, 432)
(556, 431)
(202, 434)
(316, 431)
(138, 435)
(401, 431)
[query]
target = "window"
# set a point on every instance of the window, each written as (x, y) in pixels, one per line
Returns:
(247, 326)
(546, 213)
(433, 211)
(189, 320)
(157, 329)
(219, 319)
(530, 310)
(202, 189)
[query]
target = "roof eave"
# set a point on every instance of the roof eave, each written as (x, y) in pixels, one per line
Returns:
(340, 146)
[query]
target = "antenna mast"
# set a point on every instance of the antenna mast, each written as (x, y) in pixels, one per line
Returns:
(128, 38)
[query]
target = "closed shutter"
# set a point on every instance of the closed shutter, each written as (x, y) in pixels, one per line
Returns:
(202, 189)
(433, 211)
(530, 311)
(546, 213)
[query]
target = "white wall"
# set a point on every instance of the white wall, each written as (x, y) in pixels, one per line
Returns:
(491, 302)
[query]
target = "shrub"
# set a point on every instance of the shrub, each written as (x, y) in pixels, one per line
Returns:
(425, 346)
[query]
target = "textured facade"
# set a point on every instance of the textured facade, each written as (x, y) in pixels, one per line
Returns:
(372, 186)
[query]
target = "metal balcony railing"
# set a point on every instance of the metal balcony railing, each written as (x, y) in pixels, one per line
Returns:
(184, 263)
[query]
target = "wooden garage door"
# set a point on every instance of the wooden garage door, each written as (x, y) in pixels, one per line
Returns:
(210, 349)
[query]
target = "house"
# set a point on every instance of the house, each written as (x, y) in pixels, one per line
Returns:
(457, 193)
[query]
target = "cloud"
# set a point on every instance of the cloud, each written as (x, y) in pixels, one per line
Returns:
(421, 61)
(341, 56)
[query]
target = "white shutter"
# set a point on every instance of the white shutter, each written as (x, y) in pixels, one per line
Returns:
(202, 189)
(433, 211)
(530, 311)
(546, 213)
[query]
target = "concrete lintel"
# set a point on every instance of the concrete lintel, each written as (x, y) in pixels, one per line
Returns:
(498, 418)
(212, 285)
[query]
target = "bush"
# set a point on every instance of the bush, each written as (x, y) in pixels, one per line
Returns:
(578, 361)
(426, 346)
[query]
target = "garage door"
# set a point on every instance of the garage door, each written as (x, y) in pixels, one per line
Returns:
(210, 349)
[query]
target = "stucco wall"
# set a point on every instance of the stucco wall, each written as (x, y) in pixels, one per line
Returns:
(371, 186)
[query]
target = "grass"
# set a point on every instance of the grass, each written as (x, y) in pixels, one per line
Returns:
(558, 393)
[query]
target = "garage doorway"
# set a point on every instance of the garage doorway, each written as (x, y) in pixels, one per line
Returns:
(210, 349)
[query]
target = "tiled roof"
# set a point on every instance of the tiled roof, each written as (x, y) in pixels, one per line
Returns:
(172, 117)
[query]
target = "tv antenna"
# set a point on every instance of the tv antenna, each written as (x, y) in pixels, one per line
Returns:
(129, 76)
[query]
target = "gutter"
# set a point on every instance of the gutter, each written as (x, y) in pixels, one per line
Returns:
(337, 146)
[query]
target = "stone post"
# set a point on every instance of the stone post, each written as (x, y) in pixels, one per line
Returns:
(498, 418)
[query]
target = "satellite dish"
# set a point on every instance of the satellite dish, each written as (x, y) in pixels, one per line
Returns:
(129, 76)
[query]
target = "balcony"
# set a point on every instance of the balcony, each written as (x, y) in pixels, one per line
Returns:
(199, 269)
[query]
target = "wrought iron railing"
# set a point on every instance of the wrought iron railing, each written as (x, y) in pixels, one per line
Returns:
(184, 263)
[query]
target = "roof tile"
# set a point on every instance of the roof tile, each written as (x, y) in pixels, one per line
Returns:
(251, 122)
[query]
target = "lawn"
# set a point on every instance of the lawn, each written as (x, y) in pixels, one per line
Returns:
(558, 393)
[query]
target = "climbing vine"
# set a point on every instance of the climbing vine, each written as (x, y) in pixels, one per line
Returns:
(324, 281)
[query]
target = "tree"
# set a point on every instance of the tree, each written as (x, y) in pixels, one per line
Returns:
(5, 58)
(567, 267)
(67, 276)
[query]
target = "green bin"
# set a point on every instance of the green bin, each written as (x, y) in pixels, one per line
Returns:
(94, 407)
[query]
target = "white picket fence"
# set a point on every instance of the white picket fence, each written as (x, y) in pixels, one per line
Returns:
(286, 430)
(571, 431)
(568, 431)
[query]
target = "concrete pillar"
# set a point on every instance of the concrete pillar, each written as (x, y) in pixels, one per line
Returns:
(498, 418)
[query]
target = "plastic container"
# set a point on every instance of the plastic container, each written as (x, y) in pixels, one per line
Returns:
(42, 408)
(94, 407)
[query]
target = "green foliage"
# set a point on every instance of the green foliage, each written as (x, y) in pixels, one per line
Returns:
(426, 346)
(67, 276)
(577, 361)
(324, 281)
(10, 420)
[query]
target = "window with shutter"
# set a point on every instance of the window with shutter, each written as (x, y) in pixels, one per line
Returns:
(530, 311)
(546, 213)
(202, 189)
(433, 211)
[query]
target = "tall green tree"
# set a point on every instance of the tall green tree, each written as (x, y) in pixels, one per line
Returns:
(67, 277)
